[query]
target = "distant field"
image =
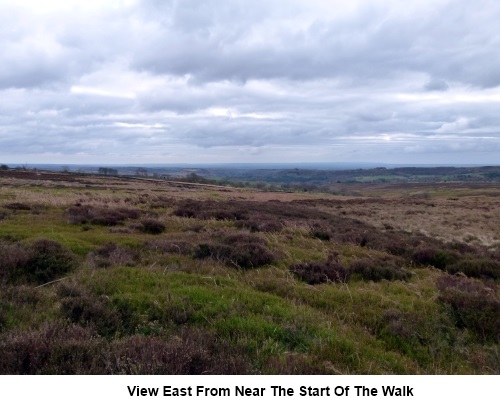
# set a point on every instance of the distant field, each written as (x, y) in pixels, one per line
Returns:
(109, 275)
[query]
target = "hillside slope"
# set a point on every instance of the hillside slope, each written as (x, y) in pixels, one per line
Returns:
(127, 276)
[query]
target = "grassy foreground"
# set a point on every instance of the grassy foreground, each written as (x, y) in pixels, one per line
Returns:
(130, 276)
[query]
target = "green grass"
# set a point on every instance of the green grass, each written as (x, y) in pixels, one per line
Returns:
(230, 308)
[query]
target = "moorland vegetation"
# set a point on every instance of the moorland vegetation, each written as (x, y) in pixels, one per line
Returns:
(110, 275)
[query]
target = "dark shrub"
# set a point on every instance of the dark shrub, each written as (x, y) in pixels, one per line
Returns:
(54, 349)
(398, 243)
(112, 216)
(12, 259)
(260, 224)
(430, 256)
(17, 206)
(47, 260)
(152, 226)
(380, 268)
(321, 234)
(204, 250)
(478, 268)
(462, 248)
(97, 312)
(417, 334)
(241, 255)
(79, 214)
(474, 305)
(396, 247)
(3, 215)
(16, 299)
(209, 210)
(58, 348)
(190, 352)
(185, 211)
(330, 270)
(109, 318)
(22, 295)
(3, 318)
(83, 214)
(240, 250)
(243, 210)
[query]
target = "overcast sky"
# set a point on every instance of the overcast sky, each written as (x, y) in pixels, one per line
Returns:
(213, 81)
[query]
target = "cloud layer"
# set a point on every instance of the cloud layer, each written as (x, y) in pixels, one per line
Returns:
(191, 81)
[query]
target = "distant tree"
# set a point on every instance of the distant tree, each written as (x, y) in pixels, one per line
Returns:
(141, 171)
(106, 171)
(4, 167)
(195, 178)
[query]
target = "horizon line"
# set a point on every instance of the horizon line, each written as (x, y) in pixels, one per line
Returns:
(234, 164)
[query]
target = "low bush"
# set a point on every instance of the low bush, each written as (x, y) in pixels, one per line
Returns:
(47, 260)
(478, 268)
(431, 256)
(22, 295)
(59, 348)
(397, 243)
(321, 234)
(189, 352)
(209, 210)
(380, 268)
(474, 305)
(419, 334)
(241, 255)
(17, 206)
(271, 213)
(3, 317)
(13, 257)
(152, 226)
(86, 214)
(462, 248)
(258, 223)
(81, 307)
(330, 270)
(16, 300)
(41, 261)
(3, 214)
(56, 348)
(240, 250)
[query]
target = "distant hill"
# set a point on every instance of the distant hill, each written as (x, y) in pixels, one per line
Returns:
(279, 174)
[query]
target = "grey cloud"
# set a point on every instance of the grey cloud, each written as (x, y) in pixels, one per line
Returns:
(206, 80)
(206, 43)
(436, 85)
